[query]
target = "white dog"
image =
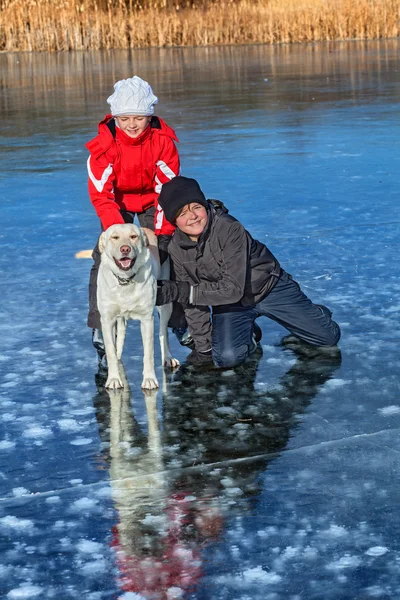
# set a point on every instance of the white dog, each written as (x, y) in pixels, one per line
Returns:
(126, 289)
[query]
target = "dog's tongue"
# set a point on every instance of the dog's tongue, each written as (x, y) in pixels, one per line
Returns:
(126, 262)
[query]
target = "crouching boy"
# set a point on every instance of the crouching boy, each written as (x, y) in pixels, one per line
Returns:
(225, 279)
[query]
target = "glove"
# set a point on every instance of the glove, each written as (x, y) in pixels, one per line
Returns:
(163, 243)
(200, 359)
(172, 291)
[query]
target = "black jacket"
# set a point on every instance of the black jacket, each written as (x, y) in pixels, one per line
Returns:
(225, 266)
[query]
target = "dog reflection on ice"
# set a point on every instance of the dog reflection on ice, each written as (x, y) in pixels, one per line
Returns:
(153, 552)
(175, 486)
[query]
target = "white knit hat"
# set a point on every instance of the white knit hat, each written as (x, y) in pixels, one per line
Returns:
(132, 96)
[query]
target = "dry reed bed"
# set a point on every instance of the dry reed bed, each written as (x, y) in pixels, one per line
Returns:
(56, 25)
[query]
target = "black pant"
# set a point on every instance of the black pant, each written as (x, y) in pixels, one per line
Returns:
(146, 219)
(232, 325)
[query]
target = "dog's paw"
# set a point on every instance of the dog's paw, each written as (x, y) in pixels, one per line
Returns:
(150, 383)
(114, 383)
(171, 363)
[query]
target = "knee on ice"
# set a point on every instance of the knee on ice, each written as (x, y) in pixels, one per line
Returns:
(230, 357)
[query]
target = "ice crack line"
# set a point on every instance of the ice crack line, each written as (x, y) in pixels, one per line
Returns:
(201, 466)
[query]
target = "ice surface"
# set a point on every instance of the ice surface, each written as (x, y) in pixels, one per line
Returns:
(274, 482)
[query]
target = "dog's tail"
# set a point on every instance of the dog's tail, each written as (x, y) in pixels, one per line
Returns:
(84, 254)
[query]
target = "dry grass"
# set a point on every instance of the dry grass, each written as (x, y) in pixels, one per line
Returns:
(55, 25)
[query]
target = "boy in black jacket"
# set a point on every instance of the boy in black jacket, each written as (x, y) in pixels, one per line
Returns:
(218, 266)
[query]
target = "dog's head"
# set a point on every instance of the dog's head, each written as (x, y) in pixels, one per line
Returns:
(125, 247)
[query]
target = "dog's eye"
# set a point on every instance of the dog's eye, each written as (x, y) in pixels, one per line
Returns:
(133, 237)
(115, 237)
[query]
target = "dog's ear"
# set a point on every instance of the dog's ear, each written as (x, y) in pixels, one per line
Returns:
(145, 239)
(102, 242)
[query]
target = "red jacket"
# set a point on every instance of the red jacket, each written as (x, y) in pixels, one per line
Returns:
(127, 173)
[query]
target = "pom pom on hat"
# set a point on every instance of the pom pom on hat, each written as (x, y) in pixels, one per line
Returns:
(132, 96)
(178, 192)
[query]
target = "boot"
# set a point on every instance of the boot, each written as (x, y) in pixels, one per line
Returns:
(183, 336)
(256, 338)
(98, 343)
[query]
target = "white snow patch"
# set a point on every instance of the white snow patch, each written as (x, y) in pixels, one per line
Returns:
(11, 376)
(335, 531)
(83, 504)
(234, 491)
(258, 575)
(262, 534)
(81, 441)
(225, 410)
(290, 552)
(37, 431)
(8, 417)
(94, 568)
(82, 411)
(275, 361)
(25, 591)
(227, 482)
(347, 561)
(395, 309)
(53, 500)
(310, 553)
(104, 492)
(336, 383)
(377, 551)
(20, 491)
(11, 522)
(48, 390)
(10, 384)
(83, 384)
(57, 345)
(89, 547)
(7, 402)
(6, 444)
(69, 425)
(387, 411)
(375, 591)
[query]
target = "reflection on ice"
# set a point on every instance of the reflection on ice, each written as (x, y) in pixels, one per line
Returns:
(174, 488)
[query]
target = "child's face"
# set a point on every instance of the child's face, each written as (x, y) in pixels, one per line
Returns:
(192, 220)
(133, 125)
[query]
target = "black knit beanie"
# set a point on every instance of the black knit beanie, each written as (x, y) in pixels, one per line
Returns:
(178, 192)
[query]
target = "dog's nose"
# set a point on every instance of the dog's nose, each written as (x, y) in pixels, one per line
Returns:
(125, 249)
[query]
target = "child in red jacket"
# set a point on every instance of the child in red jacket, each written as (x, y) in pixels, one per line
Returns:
(131, 157)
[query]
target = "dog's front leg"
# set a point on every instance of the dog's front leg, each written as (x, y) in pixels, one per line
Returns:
(164, 313)
(113, 379)
(149, 376)
(121, 331)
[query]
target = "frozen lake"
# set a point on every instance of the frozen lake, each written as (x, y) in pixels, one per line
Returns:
(276, 482)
